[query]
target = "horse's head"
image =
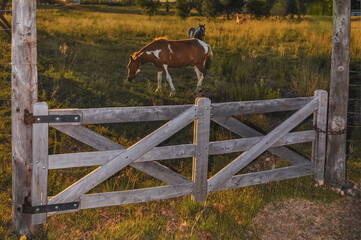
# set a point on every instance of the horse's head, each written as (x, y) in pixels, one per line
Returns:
(133, 68)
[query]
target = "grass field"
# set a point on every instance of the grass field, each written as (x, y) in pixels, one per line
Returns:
(82, 58)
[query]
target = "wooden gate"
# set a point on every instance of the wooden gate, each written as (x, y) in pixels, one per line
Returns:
(146, 155)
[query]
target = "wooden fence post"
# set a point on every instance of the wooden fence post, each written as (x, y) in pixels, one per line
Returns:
(24, 94)
(337, 118)
(319, 145)
(39, 182)
(201, 140)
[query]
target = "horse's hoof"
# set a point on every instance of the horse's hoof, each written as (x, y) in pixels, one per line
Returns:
(172, 94)
(158, 90)
(199, 89)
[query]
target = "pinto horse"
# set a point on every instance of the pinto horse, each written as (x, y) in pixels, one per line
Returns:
(164, 54)
(198, 32)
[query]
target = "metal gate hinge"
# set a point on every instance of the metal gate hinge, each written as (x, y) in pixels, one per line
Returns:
(29, 118)
(28, 209)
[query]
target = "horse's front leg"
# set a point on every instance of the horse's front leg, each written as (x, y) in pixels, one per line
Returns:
(159, 88)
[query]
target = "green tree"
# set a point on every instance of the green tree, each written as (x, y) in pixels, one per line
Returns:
(149, 7)
(231, 6)
(257, 8)
(183, 8)
(197, 5)
(291, 8)
(211, 8)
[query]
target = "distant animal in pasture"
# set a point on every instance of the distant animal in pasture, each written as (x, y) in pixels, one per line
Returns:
(240, 19)
(164, 54)
(198, 32)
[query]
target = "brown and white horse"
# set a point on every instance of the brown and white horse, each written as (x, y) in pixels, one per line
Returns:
(198, 32)
(164, 54)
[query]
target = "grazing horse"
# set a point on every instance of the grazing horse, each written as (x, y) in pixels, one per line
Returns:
(164, 54)
(198, 32)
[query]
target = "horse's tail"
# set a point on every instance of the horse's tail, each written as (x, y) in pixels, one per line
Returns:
(207, 63)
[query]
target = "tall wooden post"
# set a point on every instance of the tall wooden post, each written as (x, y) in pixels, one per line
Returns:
(337, 118)
(24, 94)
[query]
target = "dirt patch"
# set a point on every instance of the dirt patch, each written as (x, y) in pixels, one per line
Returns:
(303, 219)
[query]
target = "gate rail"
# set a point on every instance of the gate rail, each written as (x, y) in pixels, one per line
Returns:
(145, 154)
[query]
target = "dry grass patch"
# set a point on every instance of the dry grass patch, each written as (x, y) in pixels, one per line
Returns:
(303, 219)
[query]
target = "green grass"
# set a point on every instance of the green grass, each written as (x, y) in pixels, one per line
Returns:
(82, 58)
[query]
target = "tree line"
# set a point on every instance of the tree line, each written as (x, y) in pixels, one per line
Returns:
(256, 8)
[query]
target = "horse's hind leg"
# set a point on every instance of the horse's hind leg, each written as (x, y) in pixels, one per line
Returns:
(200, 76)
(159, 88)
(169, 79)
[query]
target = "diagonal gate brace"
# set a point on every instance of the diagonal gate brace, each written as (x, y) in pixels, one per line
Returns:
(124, 159)
(247, 157)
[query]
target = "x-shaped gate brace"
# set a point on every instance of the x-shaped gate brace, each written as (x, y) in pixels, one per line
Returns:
(199, 187)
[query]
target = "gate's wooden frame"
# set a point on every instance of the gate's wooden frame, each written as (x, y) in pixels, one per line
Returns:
(144, 154)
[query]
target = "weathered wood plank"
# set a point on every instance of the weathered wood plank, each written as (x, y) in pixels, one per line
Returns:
(24, 80)
(339, 90)
(248, 156)
(201, 140)
(243, 130)
(135, 196)
(319, 145)
(89, 137)
(238, 145)
(122, 160)
(99, 142)
(151, 113)
(260, 106)
(70, 160)
(161, 172)
(124, 114)
(255, 178)
(39, 181)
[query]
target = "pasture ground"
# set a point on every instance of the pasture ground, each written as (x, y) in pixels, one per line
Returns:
(82, 58)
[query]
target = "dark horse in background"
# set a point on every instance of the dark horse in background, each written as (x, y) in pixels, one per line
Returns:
(164, 54)
(198, 32)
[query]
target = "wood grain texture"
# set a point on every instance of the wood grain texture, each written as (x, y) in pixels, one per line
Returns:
(24, 80)
(39, 181)
(319, 145)
(201, 140)
(339, 88)
(135, 196)
(125, 114)
(86, 159)
(262, 177)
(257, 107)
(122, 160)
(99, 142)
(243, 130)
(275, 135)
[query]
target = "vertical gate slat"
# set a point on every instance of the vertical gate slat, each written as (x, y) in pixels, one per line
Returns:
(201, 140)
(40, 163)
(319, 146)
